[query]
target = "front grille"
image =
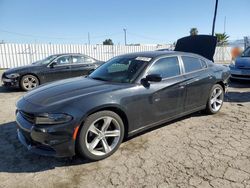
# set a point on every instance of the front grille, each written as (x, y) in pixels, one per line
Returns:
(243, 67)
(28, 116)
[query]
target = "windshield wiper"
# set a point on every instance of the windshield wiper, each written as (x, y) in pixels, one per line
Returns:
(98, 78)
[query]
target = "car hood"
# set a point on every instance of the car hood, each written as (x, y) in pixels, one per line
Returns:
(203, 45)
(21, 69)
(242, 62)
(69, 90)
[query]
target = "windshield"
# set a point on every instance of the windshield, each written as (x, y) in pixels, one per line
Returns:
(46, 60)
(246, 53)
(120, 69)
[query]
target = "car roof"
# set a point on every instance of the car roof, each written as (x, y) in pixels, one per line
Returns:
(67, 54)
(156, 54)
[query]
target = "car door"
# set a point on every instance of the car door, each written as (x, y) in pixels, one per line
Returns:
(166, 98)
(59, 69)
(198, 82)
(81, 65)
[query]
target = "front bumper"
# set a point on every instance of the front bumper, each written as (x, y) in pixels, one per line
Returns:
(51, 140)
(240, 74)
(10, 82)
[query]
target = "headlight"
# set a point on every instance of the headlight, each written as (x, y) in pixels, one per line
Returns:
(13, 75)
(52, 119)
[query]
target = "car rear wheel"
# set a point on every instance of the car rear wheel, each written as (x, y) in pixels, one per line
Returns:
(100, 136)
(215, 100)
(29, 82)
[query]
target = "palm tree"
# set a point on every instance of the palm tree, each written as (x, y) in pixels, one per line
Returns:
(222, 39)
(193, 31)
(108, 42)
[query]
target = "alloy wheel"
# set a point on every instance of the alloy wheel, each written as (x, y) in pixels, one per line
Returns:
(216, 99)
(29, 83)
(103, 136)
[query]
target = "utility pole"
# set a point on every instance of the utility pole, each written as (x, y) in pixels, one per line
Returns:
(88, 38)
(215, 14)
(125, 36)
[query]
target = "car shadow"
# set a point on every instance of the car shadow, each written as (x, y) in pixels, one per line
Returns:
(9, 89)
(196, 114)
(15, 158)
(237, 97)
(237, 93)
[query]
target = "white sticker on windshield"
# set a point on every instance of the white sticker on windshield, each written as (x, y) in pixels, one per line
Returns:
(144, 59)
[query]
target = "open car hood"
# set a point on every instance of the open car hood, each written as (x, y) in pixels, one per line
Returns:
(203, 45)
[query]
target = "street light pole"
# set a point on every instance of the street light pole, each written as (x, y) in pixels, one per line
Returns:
(125, 36)
(88, 38)
(215, 14)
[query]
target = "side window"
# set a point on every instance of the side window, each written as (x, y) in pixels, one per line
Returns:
(191, 64)
(82, 60)
(166, 67)
(63, 60)
(88, 60)
(203, 64)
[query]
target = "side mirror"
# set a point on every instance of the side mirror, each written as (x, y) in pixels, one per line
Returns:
(52, 65)
(151, 78)
(154, 78)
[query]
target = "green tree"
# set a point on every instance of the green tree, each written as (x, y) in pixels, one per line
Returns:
(193, 31)
(222, 38)
(108, 42)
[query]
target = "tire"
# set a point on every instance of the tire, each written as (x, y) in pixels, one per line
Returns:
(29, 82)
(98, 139)
(215, 100)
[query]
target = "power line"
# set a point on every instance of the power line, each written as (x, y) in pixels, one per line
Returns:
(55, 37)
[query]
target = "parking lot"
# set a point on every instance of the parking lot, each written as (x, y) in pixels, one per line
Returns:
(194, 151)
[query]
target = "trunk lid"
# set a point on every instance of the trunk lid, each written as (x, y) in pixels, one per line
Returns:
(203, 45)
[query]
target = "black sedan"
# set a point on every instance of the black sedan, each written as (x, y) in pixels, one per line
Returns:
(124, 96)
(54, 67)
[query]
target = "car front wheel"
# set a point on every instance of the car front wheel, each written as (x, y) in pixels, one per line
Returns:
(215, 100)
(100, 135)
(29, 82)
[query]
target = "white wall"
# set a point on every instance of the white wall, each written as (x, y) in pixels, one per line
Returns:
(14, 55)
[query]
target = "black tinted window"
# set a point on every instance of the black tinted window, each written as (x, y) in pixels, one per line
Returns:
(191, 64)
(166, 67)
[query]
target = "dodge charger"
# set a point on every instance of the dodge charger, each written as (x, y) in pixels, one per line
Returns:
(126, 95)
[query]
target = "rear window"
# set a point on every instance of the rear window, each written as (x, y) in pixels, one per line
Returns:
(191, 64)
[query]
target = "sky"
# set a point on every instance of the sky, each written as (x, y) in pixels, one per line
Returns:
(146, 21)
